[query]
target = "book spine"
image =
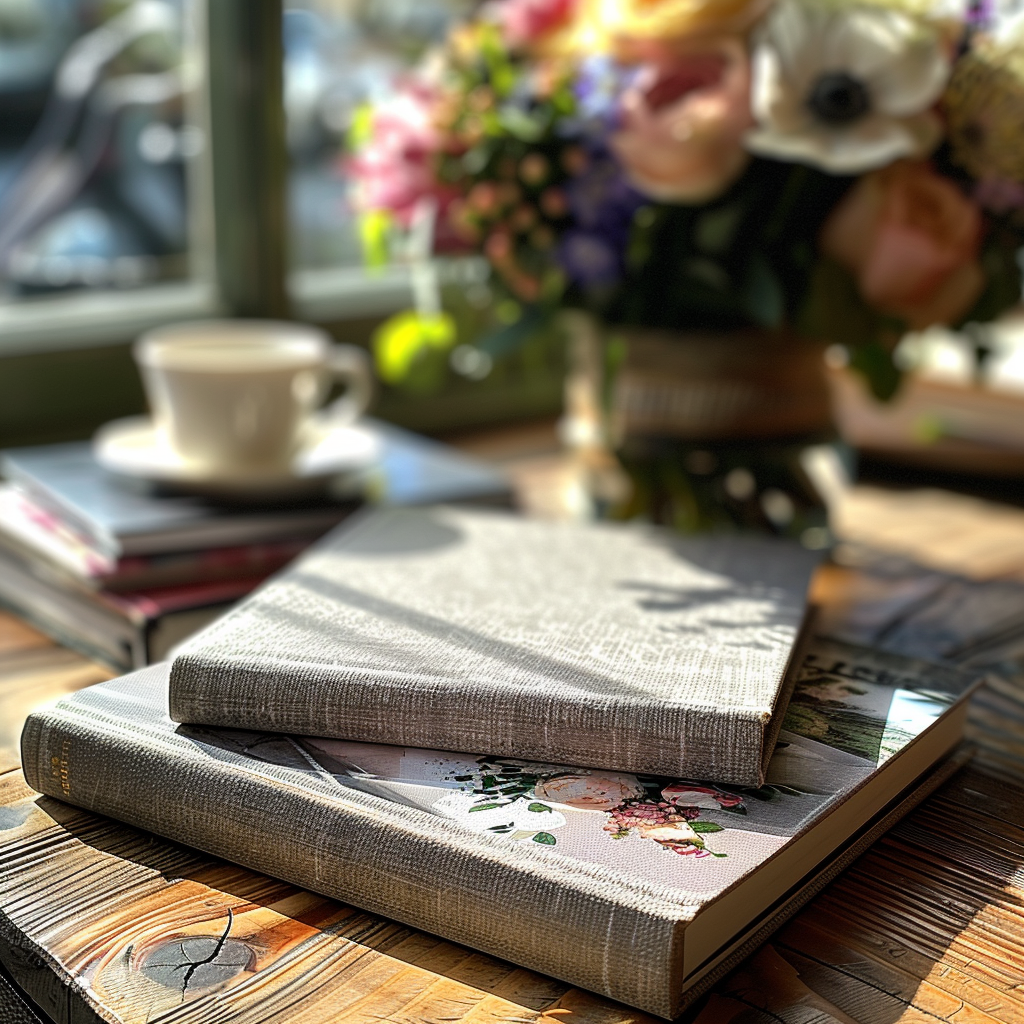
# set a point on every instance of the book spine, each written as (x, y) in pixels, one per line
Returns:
(538, 915)
(271, 694)
(72, 617)
(43, 496)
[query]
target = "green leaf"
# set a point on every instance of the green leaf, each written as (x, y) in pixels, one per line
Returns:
(707, 272)
(540, 808)
(545, 839)
(360, 130)
(835, 313)
(874, 361)
(715, 230)
(404, 338)
(375, 235)
(486, 807)
(519, 124)
(763, 296)
(1002, 278)
(706, 826)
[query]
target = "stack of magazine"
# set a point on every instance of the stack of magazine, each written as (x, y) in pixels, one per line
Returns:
(603, 752)
(123, 573)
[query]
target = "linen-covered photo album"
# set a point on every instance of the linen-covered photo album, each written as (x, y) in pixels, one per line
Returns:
(640, 887)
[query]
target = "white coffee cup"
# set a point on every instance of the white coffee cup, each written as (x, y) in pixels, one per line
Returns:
(236, 395)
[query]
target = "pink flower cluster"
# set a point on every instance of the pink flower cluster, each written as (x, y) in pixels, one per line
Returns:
(529, 22)
(395, 169)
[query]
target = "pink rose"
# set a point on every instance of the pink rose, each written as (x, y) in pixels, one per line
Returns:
(683, 120)
(911, 239)
(395, 169)
(528, 22)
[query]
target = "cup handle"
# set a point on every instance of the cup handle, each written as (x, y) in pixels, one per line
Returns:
(350, 365)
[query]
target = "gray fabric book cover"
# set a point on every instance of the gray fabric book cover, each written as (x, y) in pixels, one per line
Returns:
(639, 887)
(612, 646)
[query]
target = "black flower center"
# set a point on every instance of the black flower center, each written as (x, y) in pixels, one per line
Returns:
(838, 98)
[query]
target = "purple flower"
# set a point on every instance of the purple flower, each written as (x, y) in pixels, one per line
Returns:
(589, 259)
(999, 195)
(597, 88)
(601, 198)
(981, 14)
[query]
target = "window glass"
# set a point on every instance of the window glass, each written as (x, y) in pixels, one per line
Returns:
(94, 145)
(340, 54)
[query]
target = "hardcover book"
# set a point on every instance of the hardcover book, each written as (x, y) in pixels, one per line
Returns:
(604, 645)
(123, 630)
(67, 558)
(114, 520)
(643, 888)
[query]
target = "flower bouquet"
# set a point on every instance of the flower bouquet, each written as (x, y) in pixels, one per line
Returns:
(724, 184)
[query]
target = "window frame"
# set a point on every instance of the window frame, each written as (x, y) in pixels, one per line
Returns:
(65, 360)
(238, 211)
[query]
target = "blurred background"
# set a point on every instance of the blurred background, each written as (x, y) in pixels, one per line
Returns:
(169, 159)
(123, 126)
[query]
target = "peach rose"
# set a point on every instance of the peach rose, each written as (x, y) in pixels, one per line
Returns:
(597, 791)
(683, 120)
(911, 239)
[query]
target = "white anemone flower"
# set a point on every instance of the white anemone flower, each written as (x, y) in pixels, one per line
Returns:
(845, 88)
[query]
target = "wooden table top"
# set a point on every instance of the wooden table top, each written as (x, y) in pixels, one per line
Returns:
(927, 926)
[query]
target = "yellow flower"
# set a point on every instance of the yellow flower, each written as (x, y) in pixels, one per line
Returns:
(983, 104)
(611, 25)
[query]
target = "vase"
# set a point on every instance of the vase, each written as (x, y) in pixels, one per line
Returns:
(711, 430)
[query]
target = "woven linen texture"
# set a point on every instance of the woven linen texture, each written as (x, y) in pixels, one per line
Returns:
(610, 646)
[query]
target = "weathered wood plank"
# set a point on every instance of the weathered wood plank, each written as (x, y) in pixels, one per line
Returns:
(141, 930)
(941, 992)
(101, 922)
(16, 635)
(34, 670)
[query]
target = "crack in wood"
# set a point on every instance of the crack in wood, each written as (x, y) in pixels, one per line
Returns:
(199, 971)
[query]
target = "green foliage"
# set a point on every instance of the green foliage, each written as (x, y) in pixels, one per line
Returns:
(407, 337)
(1000, 262)
(762, 294)
(873, 360)
(545, 839)
(703, 827)
(835, 313)
(743, 260)
(375, 229)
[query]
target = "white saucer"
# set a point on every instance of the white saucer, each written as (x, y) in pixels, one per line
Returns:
(133, 447)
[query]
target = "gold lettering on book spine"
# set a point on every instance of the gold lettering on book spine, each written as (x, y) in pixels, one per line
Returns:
(60, 767)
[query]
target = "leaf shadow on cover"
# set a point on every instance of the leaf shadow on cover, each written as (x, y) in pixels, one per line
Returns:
(307, 937)
(656, 598)
(450, 633)
(741, 568)
(757, 569)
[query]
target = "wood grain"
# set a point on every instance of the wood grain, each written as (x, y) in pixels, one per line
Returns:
(33, 670)
(102, 922)
(142, 930)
